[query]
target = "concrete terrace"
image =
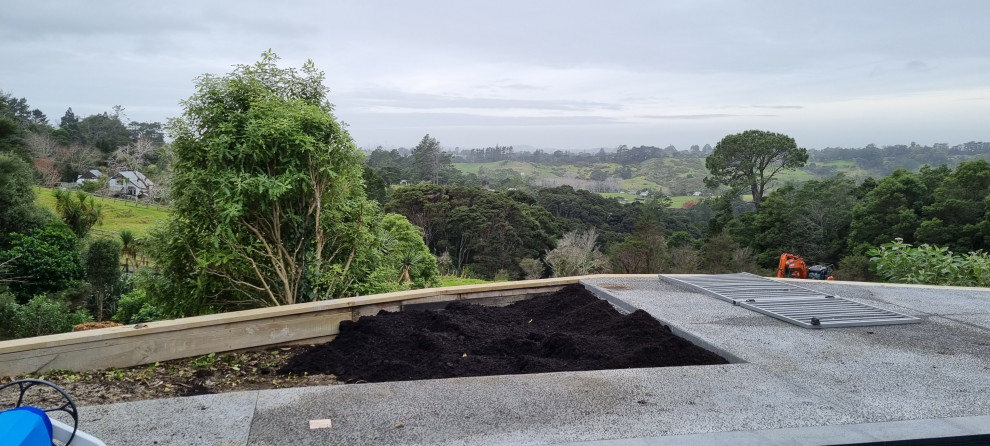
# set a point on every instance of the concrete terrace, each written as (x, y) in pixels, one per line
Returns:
(787, 385)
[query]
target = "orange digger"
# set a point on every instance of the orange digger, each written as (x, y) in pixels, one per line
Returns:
(793, 266)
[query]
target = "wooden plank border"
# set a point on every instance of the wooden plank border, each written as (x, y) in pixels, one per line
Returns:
(309, 322)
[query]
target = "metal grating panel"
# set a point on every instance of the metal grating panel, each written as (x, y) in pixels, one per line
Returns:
(789, 302)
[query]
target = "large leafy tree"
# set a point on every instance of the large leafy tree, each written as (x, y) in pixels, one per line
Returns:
(431, 163)
(891, 210)
(811, 220)
(482, 231)
(18, 212)
(955, 217)
(268, 204)
(751, 159)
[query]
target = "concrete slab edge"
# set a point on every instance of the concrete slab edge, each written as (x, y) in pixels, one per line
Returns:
(819, 435)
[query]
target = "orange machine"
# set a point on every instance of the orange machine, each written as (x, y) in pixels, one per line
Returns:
(793, 266)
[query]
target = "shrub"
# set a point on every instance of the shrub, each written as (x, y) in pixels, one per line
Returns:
(8, 314)
(46, 315)
(135, 308)
(532, 268)
(928, 264)
(575, 255)
(684, 260)
(854, 267)
(45, 260)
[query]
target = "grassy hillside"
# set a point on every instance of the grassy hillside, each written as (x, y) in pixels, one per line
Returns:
(676, 177)
(117, 214)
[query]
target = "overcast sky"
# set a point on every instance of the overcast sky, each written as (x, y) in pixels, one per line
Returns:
(550, 74)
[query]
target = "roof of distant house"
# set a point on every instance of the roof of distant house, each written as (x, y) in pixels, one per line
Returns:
(90, 174)
(135, 177)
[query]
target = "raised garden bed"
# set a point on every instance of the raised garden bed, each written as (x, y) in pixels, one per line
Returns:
(569, 330)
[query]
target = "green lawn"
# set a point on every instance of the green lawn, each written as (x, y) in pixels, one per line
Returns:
(117, 214)
(446, 281)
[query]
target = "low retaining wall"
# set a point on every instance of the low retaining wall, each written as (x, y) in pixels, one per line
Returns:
(312, 322)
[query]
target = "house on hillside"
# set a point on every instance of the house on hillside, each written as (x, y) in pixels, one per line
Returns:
(131, 182)
(89, 175)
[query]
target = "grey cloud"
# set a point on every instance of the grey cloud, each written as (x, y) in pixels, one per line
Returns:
(440, 120)
(779, 107)
(701, 116)
(421, 101)
(916, 65)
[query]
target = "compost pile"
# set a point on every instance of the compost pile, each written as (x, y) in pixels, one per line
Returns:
(569, 330)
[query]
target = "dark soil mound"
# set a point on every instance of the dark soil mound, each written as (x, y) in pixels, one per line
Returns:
(564, 331)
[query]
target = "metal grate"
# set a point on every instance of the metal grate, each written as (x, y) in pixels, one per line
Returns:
(788, 302)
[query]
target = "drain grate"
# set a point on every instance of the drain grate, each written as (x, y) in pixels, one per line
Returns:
(788, 302)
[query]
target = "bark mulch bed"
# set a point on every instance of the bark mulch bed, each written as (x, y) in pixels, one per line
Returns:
(569, 330)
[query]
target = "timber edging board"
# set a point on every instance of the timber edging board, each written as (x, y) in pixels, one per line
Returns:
(310, 322)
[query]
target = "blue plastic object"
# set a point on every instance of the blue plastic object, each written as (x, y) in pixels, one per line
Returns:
(25, 426)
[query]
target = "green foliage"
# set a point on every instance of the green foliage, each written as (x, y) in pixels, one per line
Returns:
(751, 159)
(80, 211)
(854, 267)
(890, 210)
(268, 207)
(407, 252)
(927, 264)
(42, 315)
(679, 239)
(482, 230)
(894, 207)
(102, 261)
(8, 314)
(582, 209)
(955, 217)
(721, 255)
(18, 212)
(45, 260)
(135, 307)
(812, 219)
(430, 162)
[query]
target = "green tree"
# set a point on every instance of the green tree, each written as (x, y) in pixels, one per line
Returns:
(78, 210)
(128, 247)
(811, 220)
(409, 255)
(268, 203)
(893, 208)
(102, 261)
(955, 217)
(18, 211)
(43, 260)
(751, 159)
(430, 160)
(105, 131)
(483, 231)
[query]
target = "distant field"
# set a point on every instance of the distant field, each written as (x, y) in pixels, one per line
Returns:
(675, 202)
(117, 214)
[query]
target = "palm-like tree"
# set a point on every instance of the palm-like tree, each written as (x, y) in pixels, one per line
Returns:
(128, 247)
